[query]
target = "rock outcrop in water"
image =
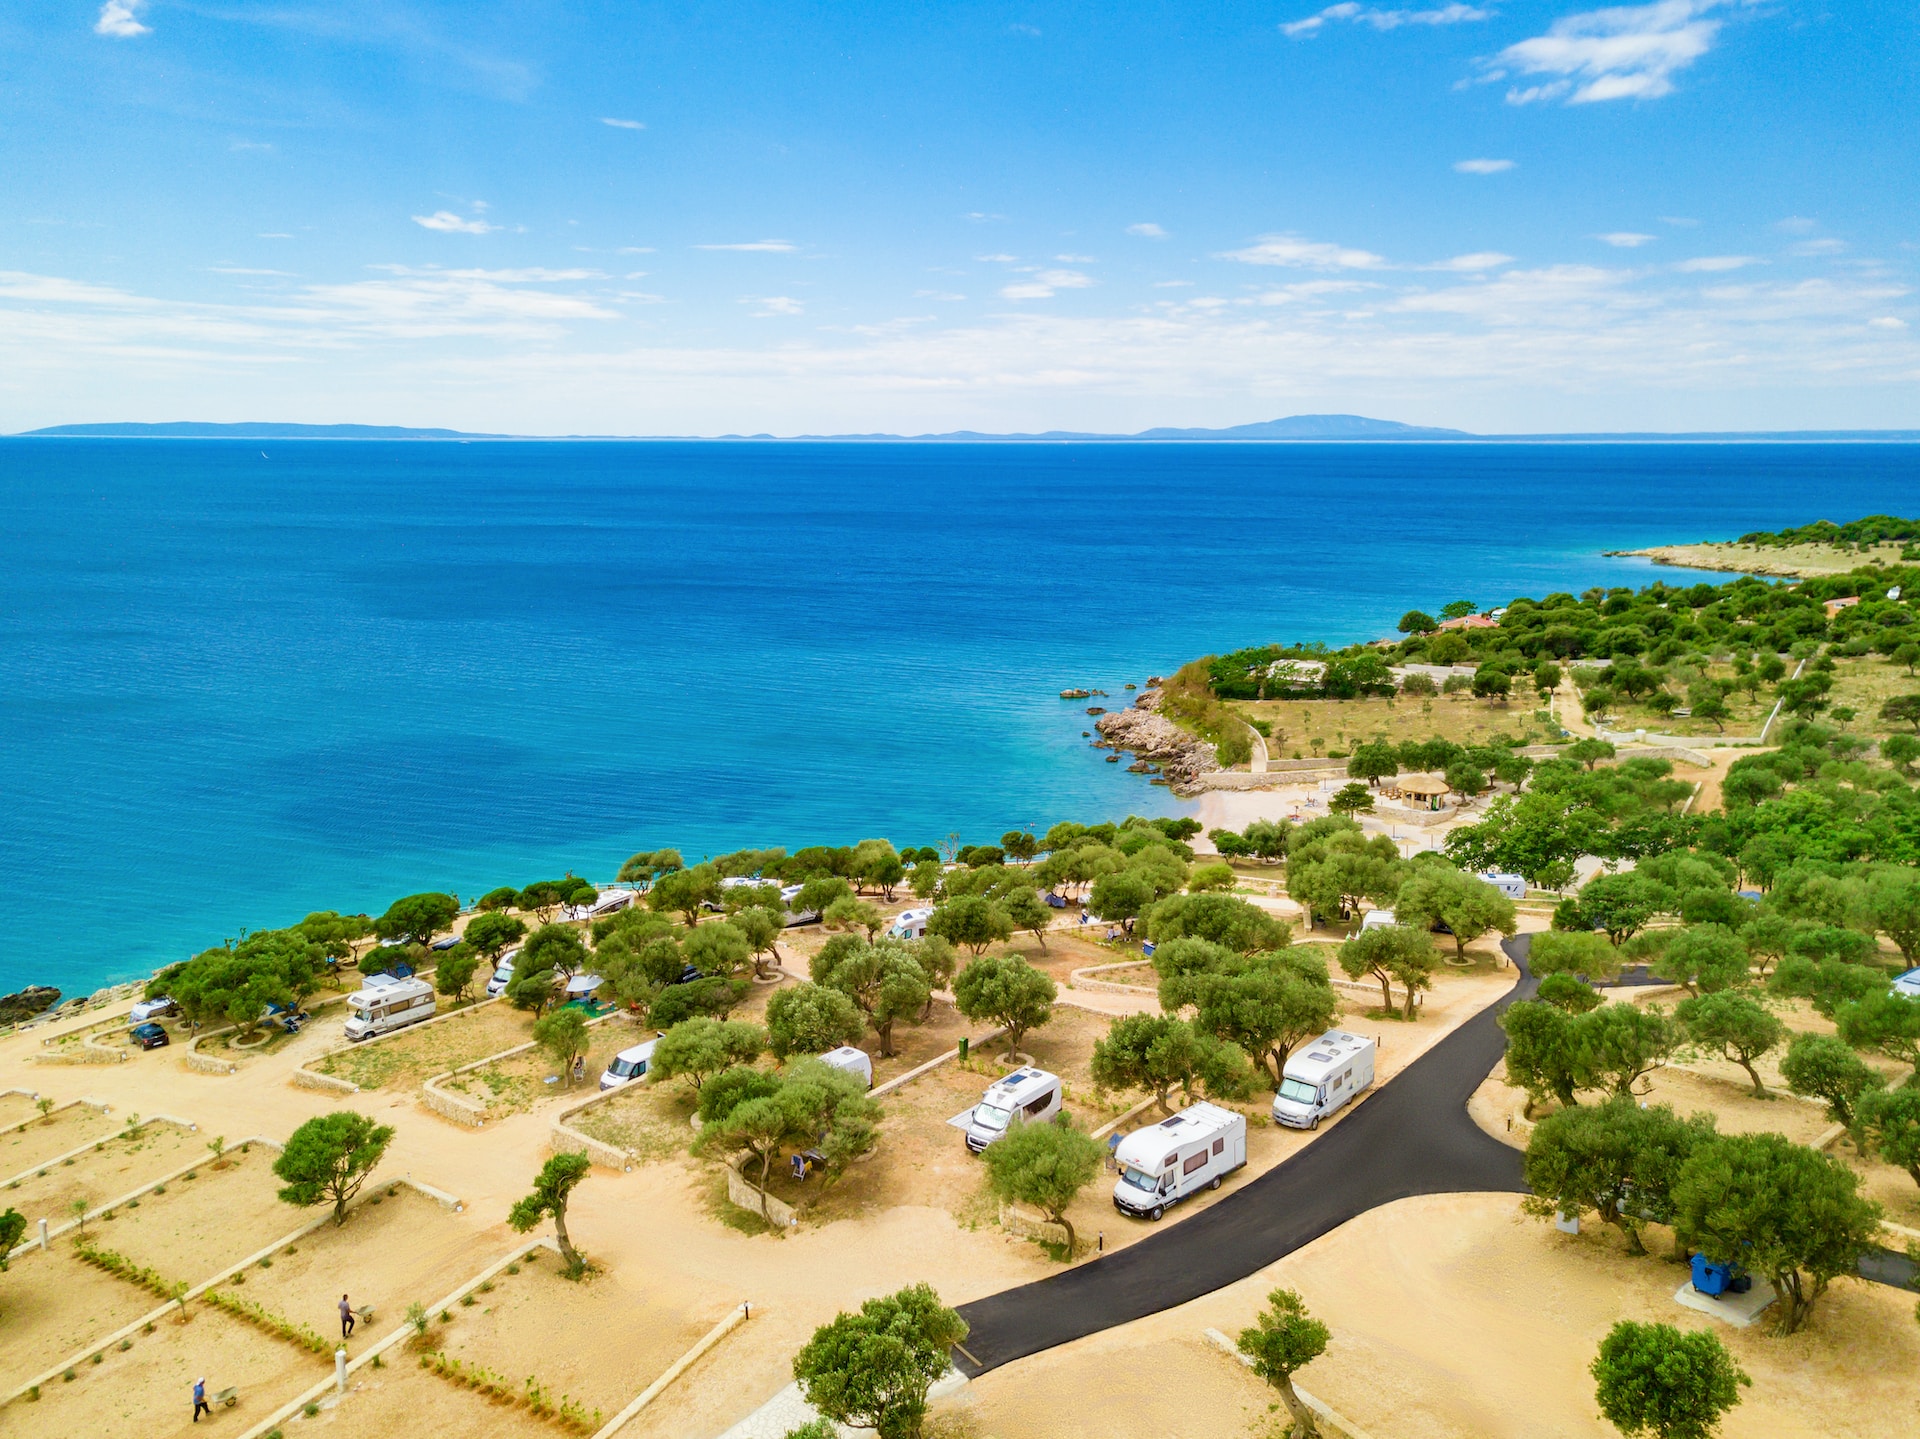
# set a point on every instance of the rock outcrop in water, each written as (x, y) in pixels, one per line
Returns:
(1150, 735)
(34, 999)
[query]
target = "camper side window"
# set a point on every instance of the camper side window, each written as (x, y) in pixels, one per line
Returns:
(1194, 1162)
(1034, 1109)
(1219, 1145)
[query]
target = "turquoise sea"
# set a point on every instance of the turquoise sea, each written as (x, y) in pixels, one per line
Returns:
(239, 682)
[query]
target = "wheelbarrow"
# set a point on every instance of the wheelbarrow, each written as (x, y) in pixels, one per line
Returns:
(228, 1397)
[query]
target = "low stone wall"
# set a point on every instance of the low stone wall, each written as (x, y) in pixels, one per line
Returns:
(462, 1110)
(325, 1055)
(742, 1193)
(1023, 1225)
(308, 1079)
(83, 1053)
(1078, 979)
(563, 1138)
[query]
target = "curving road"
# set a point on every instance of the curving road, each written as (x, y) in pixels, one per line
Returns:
(1412, 1136)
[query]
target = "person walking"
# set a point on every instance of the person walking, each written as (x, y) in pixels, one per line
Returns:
(346, 1318)
(200, 1404)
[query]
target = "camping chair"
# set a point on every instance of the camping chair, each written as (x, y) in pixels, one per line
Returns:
(1113, 1148)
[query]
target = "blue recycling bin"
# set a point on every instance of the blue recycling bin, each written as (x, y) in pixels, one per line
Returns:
(1709, 1278)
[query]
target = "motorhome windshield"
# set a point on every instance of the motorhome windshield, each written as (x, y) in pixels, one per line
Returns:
(1299, 1091)
(1138, 1178)
(991, 1116)
(626, 1068)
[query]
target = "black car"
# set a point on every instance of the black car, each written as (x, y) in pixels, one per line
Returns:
(149, 1035)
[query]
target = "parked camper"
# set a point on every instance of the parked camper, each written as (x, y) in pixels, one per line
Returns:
(608, 902)
(502, 974)
(1166, 1162)
(1321, 1076)
(1513, 886)
(1022, 1097)
(1377, 919)
(628, 1065)
(852, 1061)
(910, 924)
(788, 894)
(1906, 985)
(383, 1004)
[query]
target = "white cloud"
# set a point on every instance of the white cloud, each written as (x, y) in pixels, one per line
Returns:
(1681, 221)
(1477, 263)
(996, 259)
(756, 247)
(274, 235)
(120, 19)
(1482, 167)
(623, 124)
(1044, 284)
(774, 305)
(1385, 19)
(1076, 259)
(1147, 230)
(944, 296)
(449, 223)
(1067, 279)
(1809, 248)
(1173, 284)
(1628, 52)
(1886, 322)
(1626, 239)
(1307, 254)
(241, 146)
(634, 250)
(635, 275)
(1715, 264)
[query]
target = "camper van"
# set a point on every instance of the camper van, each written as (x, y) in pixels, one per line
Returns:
(849, 1060)
(384, 1004)
(502, 974)
(1377, 919)
(788, 894)
(1166, 1162)
(910, 924)
(1022, 1097)
(1322, 1075)
(1513, 886)
(609, 901)
(628, 1065)
(1907, 986)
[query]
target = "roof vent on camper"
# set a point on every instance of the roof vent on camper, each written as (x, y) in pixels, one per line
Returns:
(1323, 1058)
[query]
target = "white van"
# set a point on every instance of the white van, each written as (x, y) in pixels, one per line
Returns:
(1022, 1097)
(628, 1065)
(502, 974)
(384, 1004)
(1513, 886)
(1321, 1076)
(849, 1060)
(910, 924)
(1166, 1162)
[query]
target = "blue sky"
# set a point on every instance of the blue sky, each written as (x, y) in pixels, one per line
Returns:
(792, 217)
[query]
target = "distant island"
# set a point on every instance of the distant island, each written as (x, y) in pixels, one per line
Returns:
(1293, 429)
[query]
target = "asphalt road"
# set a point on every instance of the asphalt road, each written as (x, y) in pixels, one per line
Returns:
(1411, 1136)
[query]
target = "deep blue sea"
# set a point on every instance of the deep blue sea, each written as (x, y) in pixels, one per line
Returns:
(240, 682)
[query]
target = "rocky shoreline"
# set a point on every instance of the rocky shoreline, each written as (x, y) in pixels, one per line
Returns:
(1148, 735)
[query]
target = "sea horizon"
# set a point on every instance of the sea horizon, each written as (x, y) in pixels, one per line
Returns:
(241, 687)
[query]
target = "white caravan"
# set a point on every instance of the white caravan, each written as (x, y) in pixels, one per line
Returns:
(628, 1065)
(502, 974)
(849, 1060)
(910, 924)
(384, 1004)
(1513, 886)
(609, 902)
(1022, 1097)
(1322, 1075)
(1166, 1162)
(1377, 919)
(788, 894)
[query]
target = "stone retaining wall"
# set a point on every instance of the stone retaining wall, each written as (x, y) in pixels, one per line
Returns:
(308, 1079)
(1031, 1226)
(742, 1193)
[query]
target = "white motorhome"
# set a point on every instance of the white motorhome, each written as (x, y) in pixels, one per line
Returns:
(788, 894)
(384, 1004)
(1377, 919)
(849, 1060)
(628, 1065)
(1513, 886)
(1322, 1075)
(1022, 1097)
(610, 900)
(1168, 1161)
(910, 924)
(1907, 986)
(502, 974)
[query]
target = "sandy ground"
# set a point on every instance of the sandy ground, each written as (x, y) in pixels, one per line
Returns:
(124, 1164)
(1454, 1317)
(45, 1140)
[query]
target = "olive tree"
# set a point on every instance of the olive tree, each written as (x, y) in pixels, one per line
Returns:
(1827, 1069)
(1653, 1379)
(1004, 989)
(1735, 1026)
(329, 1157)
(1046, 1166)
(1283, 1340)
(1391, 952)
(873, 1369)
(1465, 903)
(552, 1190)
(1154, 1052)
(695, 1049)
(811, 1019)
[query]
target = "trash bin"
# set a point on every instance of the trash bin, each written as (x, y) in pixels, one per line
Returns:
(1714, 1280)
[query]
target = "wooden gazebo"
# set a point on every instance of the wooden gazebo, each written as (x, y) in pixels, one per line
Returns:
(1425, 789)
